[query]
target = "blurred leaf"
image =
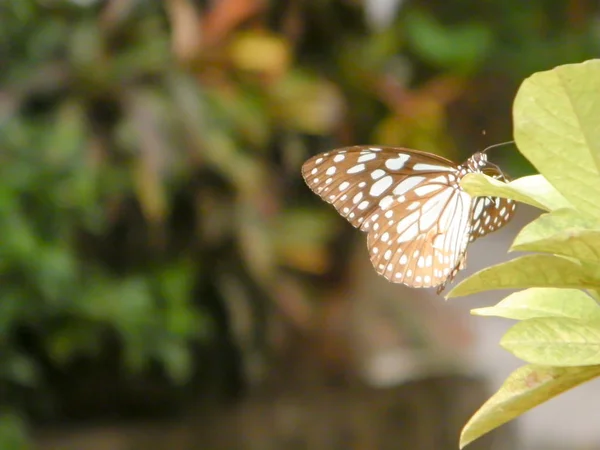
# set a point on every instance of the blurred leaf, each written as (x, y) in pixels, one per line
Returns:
(177, 359)
(255, 242)
(524, 389)
(124, 302)
(555, 128)
(544, 302)
(260, 52)
(13, 432)
(87, 51)
(224, 16)
(56, 273)
(68, 136)
(455, 48)
(187, 30)
(18, 368)
(555, 341)
(301, 237)
(246, 113)
(212, 143)
(176, 282)
(152, 164)
(182, 318)
(72, 340)
(306, 103)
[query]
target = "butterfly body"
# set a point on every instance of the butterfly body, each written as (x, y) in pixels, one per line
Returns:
(417, 217)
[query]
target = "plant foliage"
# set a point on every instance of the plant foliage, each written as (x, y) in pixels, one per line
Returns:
(558, 333)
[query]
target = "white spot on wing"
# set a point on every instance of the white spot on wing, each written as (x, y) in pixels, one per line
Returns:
(376, 174)
(386, 201)
(356, 169)
(367, 157)
(407, 185)
(381, 186)
(478, 209)
(397, 163)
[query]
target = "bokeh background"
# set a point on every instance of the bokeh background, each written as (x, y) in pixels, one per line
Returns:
(167, 281)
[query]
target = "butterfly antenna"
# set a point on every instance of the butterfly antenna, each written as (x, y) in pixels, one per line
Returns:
(497, 145)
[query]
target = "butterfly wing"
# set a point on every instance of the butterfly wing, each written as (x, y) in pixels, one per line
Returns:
(491, 213)
(421, 241)
(356, 179)
(409, 202)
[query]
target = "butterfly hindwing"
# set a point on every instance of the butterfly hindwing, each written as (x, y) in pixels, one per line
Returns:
(418, 240)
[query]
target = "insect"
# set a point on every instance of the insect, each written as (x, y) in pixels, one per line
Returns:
(418, 219)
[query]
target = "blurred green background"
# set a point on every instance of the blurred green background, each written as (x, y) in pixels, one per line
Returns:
(160, 256)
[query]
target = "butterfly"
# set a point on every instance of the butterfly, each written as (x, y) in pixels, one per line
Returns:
(418, 219)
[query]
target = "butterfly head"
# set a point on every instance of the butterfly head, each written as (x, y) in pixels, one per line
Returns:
(478, 162)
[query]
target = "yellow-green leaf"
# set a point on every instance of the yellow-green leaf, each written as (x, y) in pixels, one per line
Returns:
(544, 302)
(563, 232)
(556, 128)
(533, 190)
(524, 389)
(530, 271)
(555, 341)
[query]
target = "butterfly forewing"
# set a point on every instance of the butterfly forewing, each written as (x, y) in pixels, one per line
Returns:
(418, 219)
(355, 180)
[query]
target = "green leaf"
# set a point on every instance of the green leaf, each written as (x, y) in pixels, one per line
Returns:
(556, 128)
(530, 271)
(563, 232)
(13, 431)
(524, 389)
(555, 341)
(544, 302)
(533, 190)
(457, 48)
(177, 359)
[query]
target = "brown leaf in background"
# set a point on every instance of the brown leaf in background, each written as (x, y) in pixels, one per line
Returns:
(186, 40)
(224, 16)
